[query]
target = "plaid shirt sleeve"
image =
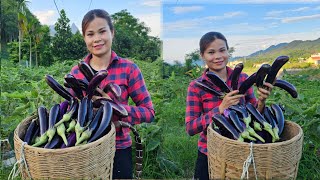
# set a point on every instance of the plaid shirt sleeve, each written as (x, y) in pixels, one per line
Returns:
(198, 117)
(143, 111)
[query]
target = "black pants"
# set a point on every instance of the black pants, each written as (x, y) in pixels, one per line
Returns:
(122, 164)
(201, 171)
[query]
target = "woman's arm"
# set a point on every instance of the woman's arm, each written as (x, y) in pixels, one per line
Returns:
(143, 111)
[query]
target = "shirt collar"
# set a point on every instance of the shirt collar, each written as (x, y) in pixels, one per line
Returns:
(114, 57)
(204, 77)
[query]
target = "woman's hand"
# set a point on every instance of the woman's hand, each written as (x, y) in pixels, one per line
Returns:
(232, 98)
(263, 93)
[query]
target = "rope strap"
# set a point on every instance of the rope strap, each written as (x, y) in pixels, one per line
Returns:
(246, 164)
(22, 161)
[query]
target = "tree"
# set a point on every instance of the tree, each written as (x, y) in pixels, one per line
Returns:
(192, 57)
(62, 37)
(21, 4)
(132, 40)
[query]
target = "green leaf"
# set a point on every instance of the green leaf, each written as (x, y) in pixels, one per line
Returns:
(153, 144)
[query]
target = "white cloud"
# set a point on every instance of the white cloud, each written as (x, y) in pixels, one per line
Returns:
(301, 9)
(152, 21)
(151, 3)
(46, 17)
(186, 9)
(300, 18)
(177, 48)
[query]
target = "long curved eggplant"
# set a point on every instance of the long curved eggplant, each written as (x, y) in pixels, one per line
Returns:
(114, 89)
(58, 88)
(53, 117)
(82, 114)
(74, 85)
(105, 121)
(277, 111)
(269, 117)
(86, 70)
(260, 118)
(285, 85)
(43, 124)
(261, 74)
(209, 89)
(243, 111)
(94, 83)
(70, 113)
(275, 67)
(222, 122)
(31, 130)
(71, 140)
(216, 80)
(235, 76)
(92, 127)
(236, 121)
(54, 143)
(245, 85)
(63, 108)
(117, 108)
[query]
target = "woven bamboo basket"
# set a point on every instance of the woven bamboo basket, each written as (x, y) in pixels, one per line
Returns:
(278, 160)
(89, 161)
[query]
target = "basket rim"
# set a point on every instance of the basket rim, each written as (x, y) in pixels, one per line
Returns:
(262, 145)
(63, 150)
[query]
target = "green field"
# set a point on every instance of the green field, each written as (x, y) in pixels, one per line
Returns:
(169, 152)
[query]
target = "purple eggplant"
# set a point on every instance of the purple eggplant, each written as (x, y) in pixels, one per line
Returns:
(235, 76)
(92, 127)
(71, 140)
(82, 114)
(279, 117)
(105, 121)
(58, 88)
(54, 143)
(53, 117)
(114, 89)
(271, 119)
(43, 123)
(236, 122)
(209, 89)
(224, 124)
(31, 130)
(63, 108)
(74, 85)
(261, 74)
(248, 83)
(260, 119)
(275, 67)
(216, 80)
(89, 112)
(117, 108)
(86, 70)
(243, 111)
(70, 112)
(285, 85)
(94, 83)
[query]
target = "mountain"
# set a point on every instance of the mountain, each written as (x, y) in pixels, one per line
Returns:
(295, 49)
(74, 29)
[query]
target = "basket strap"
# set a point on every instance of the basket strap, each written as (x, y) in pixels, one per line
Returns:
(246, 164)
(22, 162)
(139, 148)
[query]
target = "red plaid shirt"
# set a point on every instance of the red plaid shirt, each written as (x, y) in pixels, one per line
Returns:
(129, 77)
(202, 106)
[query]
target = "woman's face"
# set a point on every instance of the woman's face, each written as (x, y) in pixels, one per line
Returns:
(98, 37)
(216, 55)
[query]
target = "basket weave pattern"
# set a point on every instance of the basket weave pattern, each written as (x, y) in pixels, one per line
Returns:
(278, 160)
(89, 161)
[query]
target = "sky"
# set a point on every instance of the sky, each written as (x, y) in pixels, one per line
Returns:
(147, 11)
(249, 25)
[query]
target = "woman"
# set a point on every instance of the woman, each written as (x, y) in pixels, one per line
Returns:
(98, 34)
(202, 106)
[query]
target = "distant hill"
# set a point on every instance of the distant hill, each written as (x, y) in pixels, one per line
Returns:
(74, 29)
(295, 49)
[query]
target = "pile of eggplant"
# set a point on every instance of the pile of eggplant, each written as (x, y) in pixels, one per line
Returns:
(243, 122)
(79, 119)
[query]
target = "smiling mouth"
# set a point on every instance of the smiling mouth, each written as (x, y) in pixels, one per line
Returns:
(98, 45)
